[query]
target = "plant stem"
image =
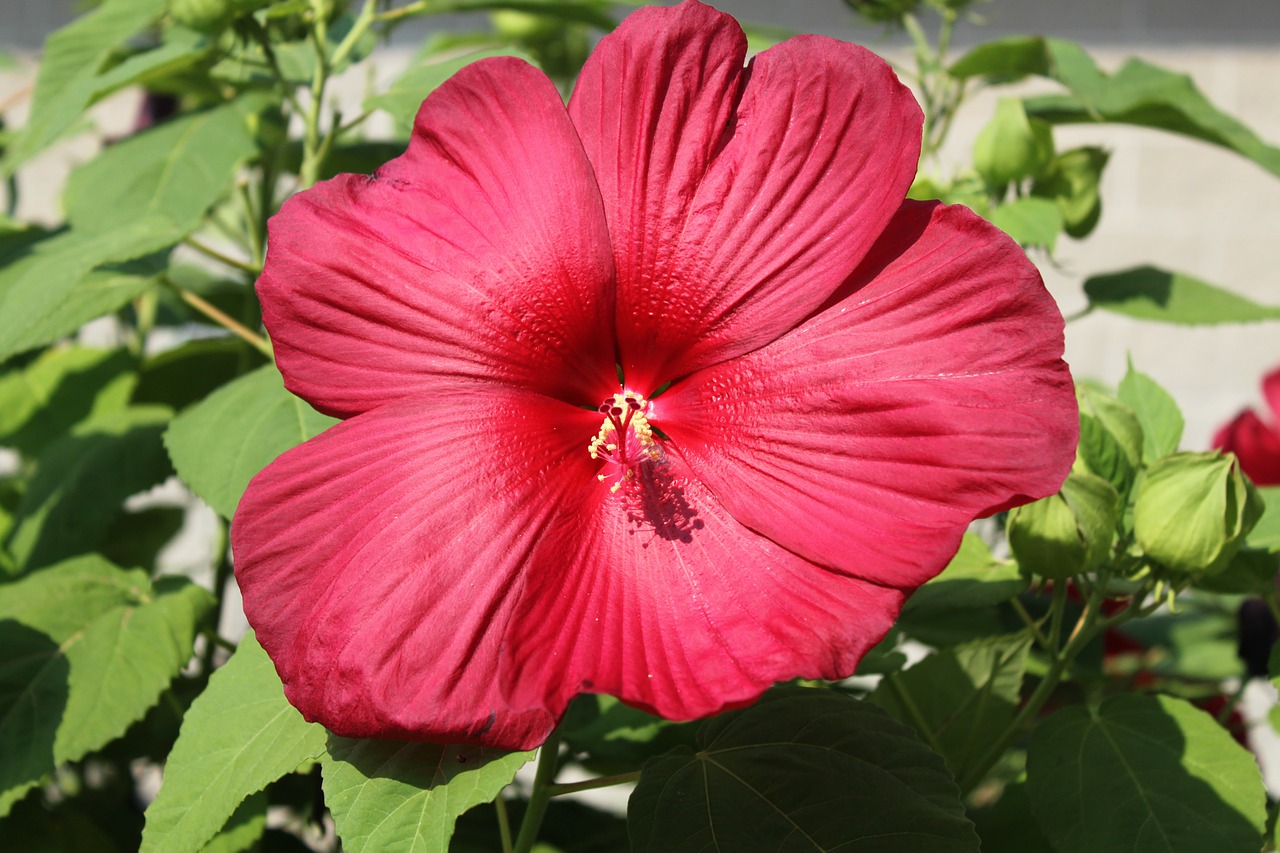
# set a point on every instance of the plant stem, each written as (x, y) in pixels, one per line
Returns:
(559, 789)
(214, 313)
(1032, 625)
(540, 796)
(504, 823)
(1085, 629)
(913, 711)
(234, 263)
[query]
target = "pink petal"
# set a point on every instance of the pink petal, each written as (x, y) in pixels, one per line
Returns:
(383, 562)
(737, 201)
(930, 392)
(1271, 391)
(1255, 444)
(451, 570)
(481, 252)
(666, 601)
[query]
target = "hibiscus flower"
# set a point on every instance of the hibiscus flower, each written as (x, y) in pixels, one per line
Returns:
(667, 394)
(1254, 442)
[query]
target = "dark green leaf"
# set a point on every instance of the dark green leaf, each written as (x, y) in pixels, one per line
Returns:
(963, 697)
(173, 172)
(387, 795)
(189, 373)
(87, 649)
(1143, 773)
(618, 738)
(1155, 410)
(239, 736)
(1011, 59)
(1150, 293)
(45, 399)
(81, 482)
(1008, 826)
(218, 445)
(68, 76)
(136, 538)
(803, 769)
(1195, 643)
(973, 578)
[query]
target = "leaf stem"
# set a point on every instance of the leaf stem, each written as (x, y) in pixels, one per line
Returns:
(220, 317)
(540, 796)
(560, 789)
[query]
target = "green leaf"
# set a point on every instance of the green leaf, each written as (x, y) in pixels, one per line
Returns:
(243, 829)
(81, 482)
(1111, 438)
(239, 736)
(1150, 293)
(38, 292)
(802, 769)
(1011, 147)
(218, 445)
(973, 578)
(617, 738)
(1146, 95)
(1155, 410)
(1266, 533)
(173, 172)
(1139, 93)
(403, 97)
(187, 374)
(962, 698)
(61, 388)
(1143, 773)
(1072, 180)
(1008, 826)
(87, 650)
(1011, 59)
(387, 795)
(100, 292)
(68, 77)
(1030, 221)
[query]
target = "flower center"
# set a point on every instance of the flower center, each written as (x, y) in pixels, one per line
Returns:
(625, 441)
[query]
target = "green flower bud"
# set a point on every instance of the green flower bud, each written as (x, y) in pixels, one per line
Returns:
(1194, 511)
(212, 16)
(1068, 533)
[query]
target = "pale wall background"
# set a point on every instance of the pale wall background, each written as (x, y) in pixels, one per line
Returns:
(1169, 201)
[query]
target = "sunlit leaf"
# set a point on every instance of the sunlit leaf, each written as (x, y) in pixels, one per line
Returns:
(43, 400)
(1150, 293)
(219, 444)
(387, 795)
(87, 648)
(239, 736)
(1143, 773)
(68, 77)
(1157, 412)
(81, 482)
